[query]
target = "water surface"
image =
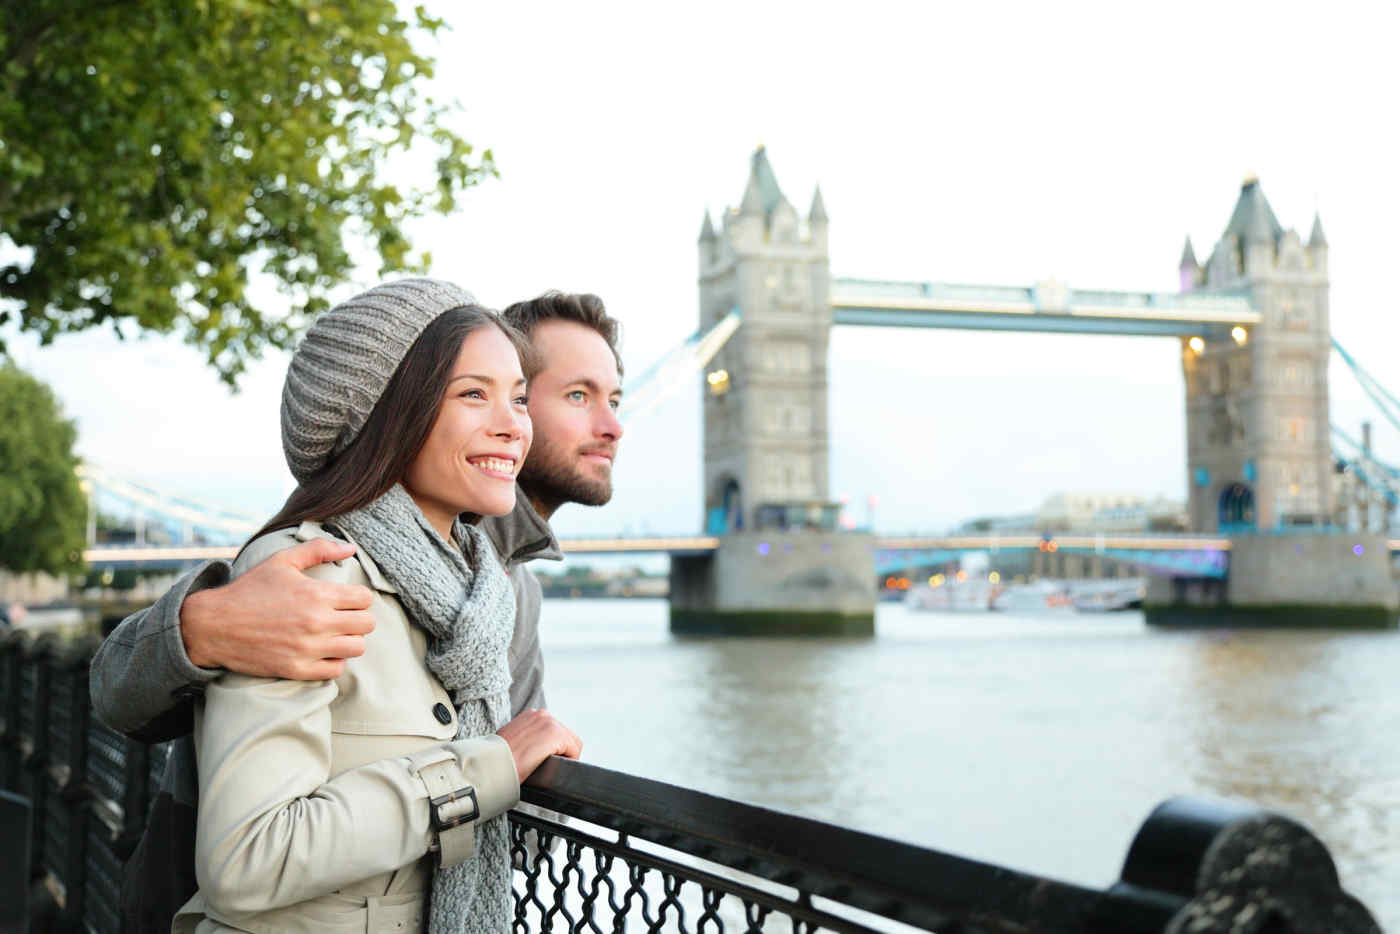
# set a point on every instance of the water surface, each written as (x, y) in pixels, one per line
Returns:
(1038, 742)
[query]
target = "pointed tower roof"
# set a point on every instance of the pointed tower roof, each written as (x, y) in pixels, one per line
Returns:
(1253, 220)
(818, 212)
(752, 202)
(1188, 256)
(1317, 238)
(762, 192)
(707, 229)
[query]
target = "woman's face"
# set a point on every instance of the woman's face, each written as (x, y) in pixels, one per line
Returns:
(476, 447)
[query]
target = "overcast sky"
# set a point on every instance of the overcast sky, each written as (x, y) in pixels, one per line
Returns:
(969, 143)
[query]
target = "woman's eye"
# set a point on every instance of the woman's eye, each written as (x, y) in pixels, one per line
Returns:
(614, 404)
(522, 400)
(473, 394)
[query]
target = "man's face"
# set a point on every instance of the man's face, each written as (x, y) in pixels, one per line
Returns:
(573, 405)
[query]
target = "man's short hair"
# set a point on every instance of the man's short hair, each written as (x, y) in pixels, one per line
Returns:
(585, 309)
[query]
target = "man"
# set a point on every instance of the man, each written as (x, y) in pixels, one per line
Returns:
(276, 622)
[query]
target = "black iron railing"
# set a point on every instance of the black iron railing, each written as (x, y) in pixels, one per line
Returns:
(630, 854)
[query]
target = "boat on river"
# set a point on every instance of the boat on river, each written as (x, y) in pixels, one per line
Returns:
(1108, 596)
(1042, 596)
(954, 596)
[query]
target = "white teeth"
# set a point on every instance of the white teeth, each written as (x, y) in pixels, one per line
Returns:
(495, 464)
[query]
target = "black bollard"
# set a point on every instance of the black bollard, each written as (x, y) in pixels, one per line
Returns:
(1242, 870)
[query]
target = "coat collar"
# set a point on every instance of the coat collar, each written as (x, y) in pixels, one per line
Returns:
(521, 535)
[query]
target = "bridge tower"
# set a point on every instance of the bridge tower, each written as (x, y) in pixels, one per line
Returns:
(782, 565)
(765, 408)
(1258, 439)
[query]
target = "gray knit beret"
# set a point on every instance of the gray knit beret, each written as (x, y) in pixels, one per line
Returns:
(345, 361)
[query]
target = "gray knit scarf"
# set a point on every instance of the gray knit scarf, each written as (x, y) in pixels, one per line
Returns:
(459, 593)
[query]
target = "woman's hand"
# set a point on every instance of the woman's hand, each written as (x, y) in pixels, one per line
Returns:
(533, 736)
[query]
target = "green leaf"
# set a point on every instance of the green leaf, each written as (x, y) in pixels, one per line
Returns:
(151, 180)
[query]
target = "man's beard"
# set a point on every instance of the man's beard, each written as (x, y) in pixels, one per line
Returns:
(552, 477)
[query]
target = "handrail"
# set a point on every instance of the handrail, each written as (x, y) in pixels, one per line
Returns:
(900, 881)
(1174, 870)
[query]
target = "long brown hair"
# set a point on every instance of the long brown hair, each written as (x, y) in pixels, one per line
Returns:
(399, 424)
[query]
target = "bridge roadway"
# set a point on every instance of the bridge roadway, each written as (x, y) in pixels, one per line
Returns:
(907, 549)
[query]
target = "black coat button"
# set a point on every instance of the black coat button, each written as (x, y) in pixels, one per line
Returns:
(443, 715)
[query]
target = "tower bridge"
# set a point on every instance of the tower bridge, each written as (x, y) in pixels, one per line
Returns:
(1252, 324)
(1253, 328)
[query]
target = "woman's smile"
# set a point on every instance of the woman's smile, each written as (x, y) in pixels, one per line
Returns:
(500, 467)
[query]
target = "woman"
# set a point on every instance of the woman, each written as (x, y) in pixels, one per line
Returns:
(339, 805)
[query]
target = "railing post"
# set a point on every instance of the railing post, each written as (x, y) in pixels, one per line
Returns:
(11, 659)
(15, 818)
(68, 808)
(37, 694)
(1241, 869)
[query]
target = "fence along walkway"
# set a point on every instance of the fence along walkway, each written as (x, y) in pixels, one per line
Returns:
(639, 855)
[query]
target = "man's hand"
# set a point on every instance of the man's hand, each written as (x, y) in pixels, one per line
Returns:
(533, 736)
(274, 621)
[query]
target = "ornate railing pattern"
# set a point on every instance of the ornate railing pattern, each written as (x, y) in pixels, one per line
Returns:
(630, 854)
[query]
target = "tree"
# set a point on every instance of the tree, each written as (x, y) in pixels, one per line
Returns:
(156, 155)
(42, 508)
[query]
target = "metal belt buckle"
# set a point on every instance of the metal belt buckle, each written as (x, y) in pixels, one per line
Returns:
(450, 810)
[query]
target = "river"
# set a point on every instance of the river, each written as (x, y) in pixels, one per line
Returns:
(1038, 742)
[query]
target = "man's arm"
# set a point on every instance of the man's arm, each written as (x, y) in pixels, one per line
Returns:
(273, 621)
(142, 680)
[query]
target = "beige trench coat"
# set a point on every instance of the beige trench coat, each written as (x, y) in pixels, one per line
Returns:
(313, 803)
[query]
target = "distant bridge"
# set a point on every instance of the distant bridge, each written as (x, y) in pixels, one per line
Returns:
(1176, 555)
(173, 556)
(1184, 555)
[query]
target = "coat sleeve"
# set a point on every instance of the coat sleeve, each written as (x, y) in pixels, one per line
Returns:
(276, 828)
(141, 681)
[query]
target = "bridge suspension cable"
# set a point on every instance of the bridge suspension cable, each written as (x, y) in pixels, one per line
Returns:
(1374, 473)
(181, 510)
(1358, 446)
(1384, 399)
(670, 372)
